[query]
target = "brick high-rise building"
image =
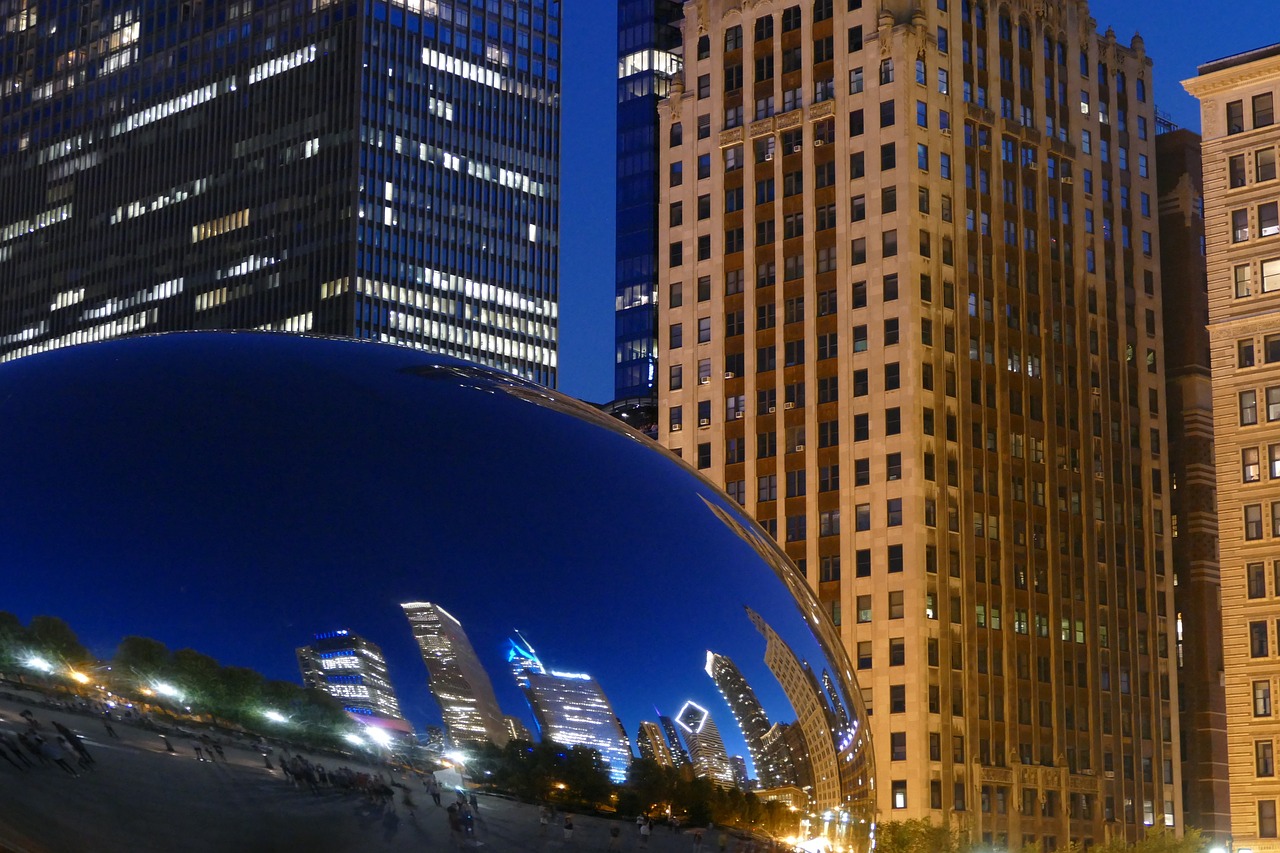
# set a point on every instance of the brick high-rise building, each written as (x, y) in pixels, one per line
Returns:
(1242, 226)
(1189, 412)
(908, 270)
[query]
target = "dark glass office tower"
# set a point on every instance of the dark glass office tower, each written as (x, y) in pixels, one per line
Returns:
(380, 170)
(649, 50)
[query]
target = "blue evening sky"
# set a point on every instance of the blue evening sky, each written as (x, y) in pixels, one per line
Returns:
(1179, 34)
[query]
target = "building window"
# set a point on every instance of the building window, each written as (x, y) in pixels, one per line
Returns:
(897, 746)
(864, 654)
(898, 651)
(1262, 698)
(864, 608)
(1266, 818)
(1271, 275)
(896, 606)
(1253, 521)
(1273, 403)
(1269, 219)
(1263, 116)
(1256, 578)
(1239, 225)
(1257, 639)
(1264, 758)
(1242, 279)
(1251, 467)
(1273, 458)
(1248, 408)
(899, 796)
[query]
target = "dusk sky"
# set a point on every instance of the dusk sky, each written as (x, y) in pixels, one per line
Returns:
(1179, 34)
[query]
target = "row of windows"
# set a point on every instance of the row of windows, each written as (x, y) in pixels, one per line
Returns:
(1264, 167)
(1251, 463)
(1261, 111)
(1249, 405)
(1268, 222)
(1253, 521)
(1268, 278)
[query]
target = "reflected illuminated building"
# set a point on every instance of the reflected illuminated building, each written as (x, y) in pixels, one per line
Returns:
(572, 710)
(652, 744)
(769, 755)
(679, 756)
(458, 680)
(706, 747)
(385, 170)
(352, 670)
(814, 717)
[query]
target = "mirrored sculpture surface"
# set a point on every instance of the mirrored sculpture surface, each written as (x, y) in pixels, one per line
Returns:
(489, 589)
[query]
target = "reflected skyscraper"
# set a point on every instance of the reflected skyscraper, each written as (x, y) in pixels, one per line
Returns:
(652, 744)
(679, 755)
(571, 708)
(751, 719)
(352, 670)
(813, 714)
(706, 747)
(459, 682)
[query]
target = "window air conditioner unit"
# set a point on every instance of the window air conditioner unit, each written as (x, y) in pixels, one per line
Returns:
(818, 142)
(704, 380)
(1033, 166)
(985, 148)
(946, 131)
(676, 427)
(789, 406)
(769, 156)
(773, 409)
(799, 448)
(704, 422)
(737, 416)
(795, 149)
(1066, 179)
(730, 375)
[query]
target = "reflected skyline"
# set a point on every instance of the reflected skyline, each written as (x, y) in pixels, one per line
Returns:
(242, 464)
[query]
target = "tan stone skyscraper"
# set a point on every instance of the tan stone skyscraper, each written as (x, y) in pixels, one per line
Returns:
(1242, 225)
(908, 280)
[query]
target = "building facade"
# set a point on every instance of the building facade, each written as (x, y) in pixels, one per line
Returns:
(1242, 227)
(1197, 595)
(706, 747)
(907, 287)
(384, 170)
(352, 670)
(573, 710)
(458, 679)
(648, 58)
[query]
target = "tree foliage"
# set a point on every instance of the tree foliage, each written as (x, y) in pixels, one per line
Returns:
(919, 836)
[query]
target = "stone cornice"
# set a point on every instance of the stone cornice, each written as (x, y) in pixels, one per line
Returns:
(1263, 321)
(1227, 79)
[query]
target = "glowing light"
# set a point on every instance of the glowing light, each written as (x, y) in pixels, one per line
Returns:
(169, 690)
(354, 738)
(78, 677)
(39, 663)
(378, 736)
(275, 716)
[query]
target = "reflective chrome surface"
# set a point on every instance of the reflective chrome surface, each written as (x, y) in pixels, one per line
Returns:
(524, 566)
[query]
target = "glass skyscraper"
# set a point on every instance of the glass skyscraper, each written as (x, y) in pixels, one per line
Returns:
(353, 671)
(379, 170)
(459, 681)
(648, 57)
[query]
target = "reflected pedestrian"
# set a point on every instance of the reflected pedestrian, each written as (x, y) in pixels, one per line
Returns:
(568, 828)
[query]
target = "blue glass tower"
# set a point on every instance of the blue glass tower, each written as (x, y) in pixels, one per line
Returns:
(378, 169)
(649, 55)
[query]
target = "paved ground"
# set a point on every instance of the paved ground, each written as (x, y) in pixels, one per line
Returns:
(140, 797)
